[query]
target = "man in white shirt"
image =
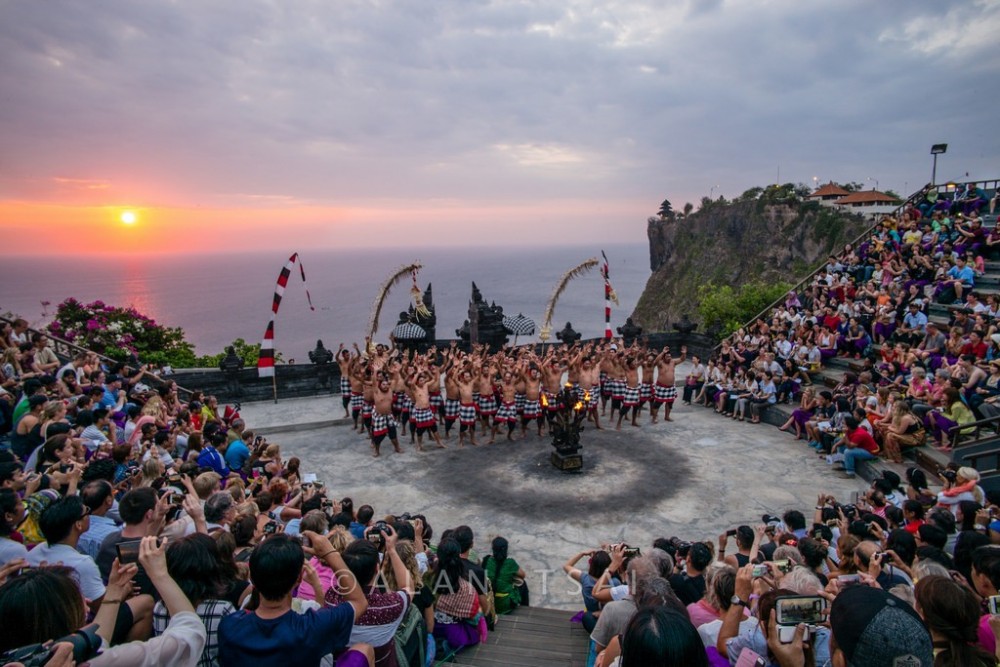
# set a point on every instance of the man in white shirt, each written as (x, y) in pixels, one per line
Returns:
(76, 365)
(98, 496)
(95, 424)
(62, 524)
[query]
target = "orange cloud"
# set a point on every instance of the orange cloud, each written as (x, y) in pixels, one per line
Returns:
(32, 228)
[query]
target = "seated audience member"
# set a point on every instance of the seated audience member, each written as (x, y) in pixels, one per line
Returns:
(193, 562)
(503, 572)
(11, 513)
(273, 634)
(377, 626)
(458, 619)
(44, 604)
(98, 496)
(598, 561)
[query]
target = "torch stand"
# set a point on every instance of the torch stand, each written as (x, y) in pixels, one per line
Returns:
(566, 427)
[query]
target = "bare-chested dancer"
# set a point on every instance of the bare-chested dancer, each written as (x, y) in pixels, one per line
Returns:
(356, 373)
(532, 399)
(590, 387)
(344, 362)
(402, 404)
(452, 397)
(383, 423)
(487, 393)
(507, 413)
(466, 408)
(368, 400)
(665, 391)
(423, 419)
(630, 399)
(648, 363)
(434, 372)
(552, 372)
(614, 365)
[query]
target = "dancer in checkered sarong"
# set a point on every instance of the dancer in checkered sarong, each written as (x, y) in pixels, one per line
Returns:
(507, 413)
(630, 398)
(344, 363)
(665, 389)
(485, 396)
(605, 391)
(401, 402)
(588, 391)
(424, 420)
(382, 421)
(532, 399)
(466, 409)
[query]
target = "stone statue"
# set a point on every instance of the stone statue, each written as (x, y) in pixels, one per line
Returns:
(231, 365)
(323, 359)
(428, 322)
(685, 326)
(568, 335)
(485, 323)
(629, 331)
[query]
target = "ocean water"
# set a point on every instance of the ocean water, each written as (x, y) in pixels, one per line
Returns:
(218, 298)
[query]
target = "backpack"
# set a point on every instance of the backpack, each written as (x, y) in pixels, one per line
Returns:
(35, 505)
(411, 638)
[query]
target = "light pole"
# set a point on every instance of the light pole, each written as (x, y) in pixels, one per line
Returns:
(937, 149)
(815, 183)
(876, 181)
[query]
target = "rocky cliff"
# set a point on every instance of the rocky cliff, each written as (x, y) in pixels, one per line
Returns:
(731, 243)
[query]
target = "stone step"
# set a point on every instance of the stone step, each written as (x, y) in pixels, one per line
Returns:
(531, 637)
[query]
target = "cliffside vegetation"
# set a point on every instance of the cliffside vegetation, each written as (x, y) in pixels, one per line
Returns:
(720, 262)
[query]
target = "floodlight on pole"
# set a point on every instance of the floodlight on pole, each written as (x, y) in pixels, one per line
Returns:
(936, 149)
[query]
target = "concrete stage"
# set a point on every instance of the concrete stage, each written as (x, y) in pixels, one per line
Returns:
(694, 477)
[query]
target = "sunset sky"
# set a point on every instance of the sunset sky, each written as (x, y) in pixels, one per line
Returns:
(256, 124)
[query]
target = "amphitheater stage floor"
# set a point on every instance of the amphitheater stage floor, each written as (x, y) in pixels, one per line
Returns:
(694, 477)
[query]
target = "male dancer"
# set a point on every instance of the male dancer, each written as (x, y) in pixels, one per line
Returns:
(665, 391)
(466, 408)
(630, 398)
(344, 362)
(532, 396)
(423, 419)
(383, 423)
(507, 414)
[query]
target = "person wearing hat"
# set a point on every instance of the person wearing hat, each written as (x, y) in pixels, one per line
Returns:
(965, 487)
(869, 628)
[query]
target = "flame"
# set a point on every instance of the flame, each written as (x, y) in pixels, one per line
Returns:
(568, 385)
(578, 406)
(586, 397)
(545, 402)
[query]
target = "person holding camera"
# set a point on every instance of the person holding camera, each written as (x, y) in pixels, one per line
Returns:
(378, 624)
(45, 604)
(273, 634)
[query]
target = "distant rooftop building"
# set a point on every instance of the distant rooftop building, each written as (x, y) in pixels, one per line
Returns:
(829, 192)
(871, 203)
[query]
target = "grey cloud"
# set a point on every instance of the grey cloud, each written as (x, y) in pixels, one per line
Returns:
(331, 102)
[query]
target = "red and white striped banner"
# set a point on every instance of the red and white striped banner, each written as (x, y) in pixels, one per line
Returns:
(265, 362)
(608, 293)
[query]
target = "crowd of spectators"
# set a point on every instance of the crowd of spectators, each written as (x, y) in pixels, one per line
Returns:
(914, 378)
(140, 529)
(890, 577)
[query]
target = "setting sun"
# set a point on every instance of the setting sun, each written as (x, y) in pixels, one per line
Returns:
(128, 217)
